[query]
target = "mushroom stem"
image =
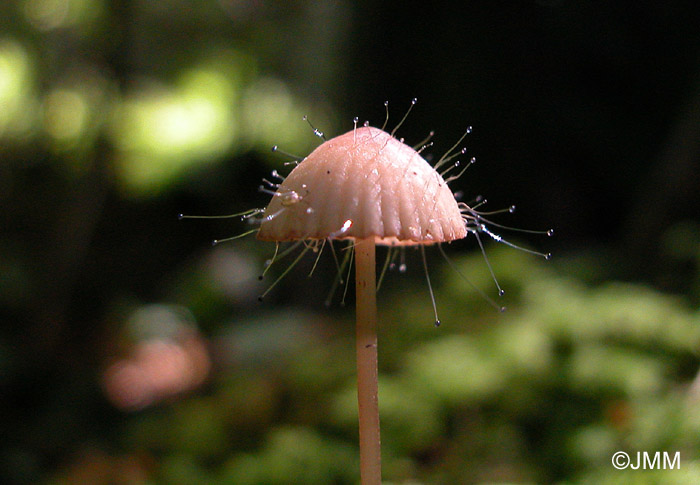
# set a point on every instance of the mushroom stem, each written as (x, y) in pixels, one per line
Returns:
(367, 388)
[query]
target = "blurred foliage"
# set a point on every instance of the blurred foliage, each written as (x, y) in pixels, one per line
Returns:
(132, 352)
(544, 392)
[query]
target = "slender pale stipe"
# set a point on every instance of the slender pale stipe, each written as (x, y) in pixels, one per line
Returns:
(366, 347)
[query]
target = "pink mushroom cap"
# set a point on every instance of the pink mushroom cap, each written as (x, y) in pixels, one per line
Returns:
(364, 184)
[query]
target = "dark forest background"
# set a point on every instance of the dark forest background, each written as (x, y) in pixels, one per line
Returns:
(132, 351)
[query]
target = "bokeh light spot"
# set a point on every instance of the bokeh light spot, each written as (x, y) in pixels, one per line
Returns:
(66, 113)
(57, 14)
(161, 132)
(17, 115)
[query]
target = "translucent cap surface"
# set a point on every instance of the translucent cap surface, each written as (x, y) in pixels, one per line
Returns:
(364, 184)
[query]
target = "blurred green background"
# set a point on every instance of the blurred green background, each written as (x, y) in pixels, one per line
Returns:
(134, 352)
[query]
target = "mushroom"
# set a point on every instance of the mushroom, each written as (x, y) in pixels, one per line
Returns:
(368, 187)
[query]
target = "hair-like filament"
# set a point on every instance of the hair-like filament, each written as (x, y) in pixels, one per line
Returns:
(219, 241)
(335, 260)
(269, 262)
(277, 257)
(317, 132)
(315, 248)
(386, 118)
(488, 263)
(351, 248)
(461, 275)
(476, 223)
(284, 273)
(338, 280)
(296, 159)
(390, 254)
(448, 154)
(430, 287)
(425, 143)
(413, 103)
(472, 161)
(243, 215)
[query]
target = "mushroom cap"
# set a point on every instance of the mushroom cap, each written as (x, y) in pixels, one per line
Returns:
(360, 185)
